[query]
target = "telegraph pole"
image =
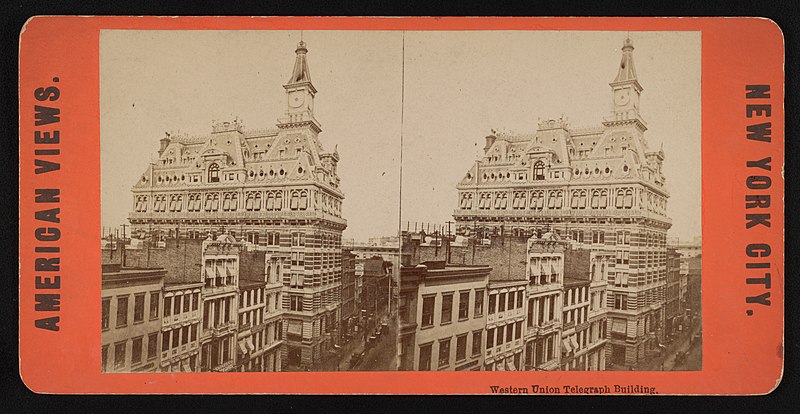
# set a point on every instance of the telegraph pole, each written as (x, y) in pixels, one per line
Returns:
(124, 248)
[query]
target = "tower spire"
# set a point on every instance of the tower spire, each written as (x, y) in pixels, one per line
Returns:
(300, 73)
(627, 70)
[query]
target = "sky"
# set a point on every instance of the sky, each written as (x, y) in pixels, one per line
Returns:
(451, 89)
(461, 85)
(157, 81)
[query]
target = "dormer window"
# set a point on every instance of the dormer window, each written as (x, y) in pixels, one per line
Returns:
(538, 171)
(213, 173)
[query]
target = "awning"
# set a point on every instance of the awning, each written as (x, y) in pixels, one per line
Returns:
(619, 325)
(500, 366)
(209, 272)
(566, 344)
(553, 267)
(510, 365)
(250, 343)
(219, 271)
(536, 269)
(229, 268)
(574, 342)
(243, 347)
(185, 366)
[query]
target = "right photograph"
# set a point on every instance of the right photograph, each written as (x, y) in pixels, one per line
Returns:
(551, 201)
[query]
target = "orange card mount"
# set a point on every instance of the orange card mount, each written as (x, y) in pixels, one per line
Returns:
(628, 241)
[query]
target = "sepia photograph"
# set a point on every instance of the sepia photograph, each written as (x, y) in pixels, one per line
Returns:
(380, 205)
(551, 201)
(249, 200)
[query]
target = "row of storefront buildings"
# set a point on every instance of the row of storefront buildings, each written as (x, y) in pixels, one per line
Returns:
(540, 303)
(221, 305)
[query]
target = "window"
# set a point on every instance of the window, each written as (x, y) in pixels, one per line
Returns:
(184, 335)
(520, 295)
(461, 347)
(194, 332)
(538, 171)
(447, 308)
(444, 352)
(165, 341)
(477, 341)
(213, 173)
(509, 332)
(177, 307)
(176, 337)
(104, 358)
(106, 308)
(478, 303)
(425, 357)
(502, 300)
(295, 303)
(511, 300)
(298, 239)
(122, 311)
(154, 305)
(119, 355)
(167, 305)
(195, 301)
(501, 335)
(492, 300)
(620, 302)
(490, 338)
(463, 305)
(186, 299)
(138, 308)
(136, 353)
(598, 237)
(152, 345)
(623, 238)
(518, 331)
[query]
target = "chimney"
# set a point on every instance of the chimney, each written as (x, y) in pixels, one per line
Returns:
(489, 142)
(164, 144)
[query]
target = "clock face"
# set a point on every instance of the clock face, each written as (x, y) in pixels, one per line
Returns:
(296, 99)
(622, 96)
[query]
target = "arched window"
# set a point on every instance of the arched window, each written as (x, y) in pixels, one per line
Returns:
(303, 200)
(270, 204)
(294, 201)
(248, 202)
(603, 199)
(629, 198)
(213, 173)
(538, 171)
(257, 202)
(278, 200)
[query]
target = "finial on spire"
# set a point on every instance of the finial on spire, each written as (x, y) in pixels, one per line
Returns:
(627, 71)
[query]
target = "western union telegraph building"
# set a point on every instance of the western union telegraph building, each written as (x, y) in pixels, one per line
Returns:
(602, 187)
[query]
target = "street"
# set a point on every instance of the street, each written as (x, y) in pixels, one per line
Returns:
(379, 357)
(666, 361)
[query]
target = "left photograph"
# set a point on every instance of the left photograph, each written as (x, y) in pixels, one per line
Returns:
(249, 213)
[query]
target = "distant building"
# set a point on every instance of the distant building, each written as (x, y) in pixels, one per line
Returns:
(673, 309)
(350, 310)
(130, 318)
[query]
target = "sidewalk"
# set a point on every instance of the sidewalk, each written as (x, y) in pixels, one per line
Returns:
(667, 358)
(340, 361)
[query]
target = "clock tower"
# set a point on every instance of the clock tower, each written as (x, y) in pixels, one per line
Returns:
(300, 93)
(625, 88)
